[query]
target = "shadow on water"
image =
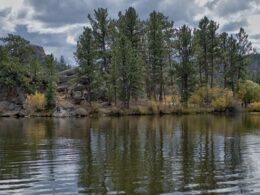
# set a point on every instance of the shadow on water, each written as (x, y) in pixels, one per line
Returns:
(196, 154)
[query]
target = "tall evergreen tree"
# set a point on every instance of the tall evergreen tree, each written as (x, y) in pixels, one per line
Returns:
(244, 50)
(213, 48)
(185, 68)
(51, 81)
(127, 71)
(101, 30)
(13, 75)
(61, 64)
(18, 48)
(223, 57)
(202, 50)
(232, 61)
(86, 56)
(157, 53)
(130, 26)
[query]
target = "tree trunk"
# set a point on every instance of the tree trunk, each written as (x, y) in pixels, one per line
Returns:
(161, 85)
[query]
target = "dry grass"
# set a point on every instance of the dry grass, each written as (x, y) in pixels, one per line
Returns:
(254, 107)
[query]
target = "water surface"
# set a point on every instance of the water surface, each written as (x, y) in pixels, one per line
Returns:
(201, 154)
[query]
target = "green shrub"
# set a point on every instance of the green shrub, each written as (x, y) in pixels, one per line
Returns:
(249, 91)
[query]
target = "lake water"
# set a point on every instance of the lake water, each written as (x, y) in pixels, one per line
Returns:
(202, 154)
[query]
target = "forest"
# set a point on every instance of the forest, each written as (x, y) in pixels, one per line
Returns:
(129, 63)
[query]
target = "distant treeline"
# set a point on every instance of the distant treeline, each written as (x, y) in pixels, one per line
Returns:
(128, 58)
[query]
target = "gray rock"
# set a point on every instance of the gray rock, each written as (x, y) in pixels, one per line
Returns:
(38, 53)
(23, 113)
(12, 106)
(61, 113)
(84, 80)
(65, 79)
(66, 105)
(78, 87)
(9, 106)
(63, 88)
(4, 105)
(77, 96)
(105, 104)
(69, 72)
(10, 114)
(81, 112)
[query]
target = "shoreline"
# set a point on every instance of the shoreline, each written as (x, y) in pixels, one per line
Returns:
(118, 112)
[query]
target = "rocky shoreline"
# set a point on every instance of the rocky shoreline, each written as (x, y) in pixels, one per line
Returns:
(71, 103)
(66, 109)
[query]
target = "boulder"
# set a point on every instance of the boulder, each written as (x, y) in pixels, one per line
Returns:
(77, 96)
(80, 112)
(23, 113)
(61, 113)
(4, 105)
(66, 105)
(84, 80)
(105, 104)
(9, 106)
(63, 88)
(10, 114)
(69, 72)
(78, 87)
(38, 53)
(65, 79)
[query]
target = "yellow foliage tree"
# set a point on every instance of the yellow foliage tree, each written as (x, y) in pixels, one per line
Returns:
(36, 102)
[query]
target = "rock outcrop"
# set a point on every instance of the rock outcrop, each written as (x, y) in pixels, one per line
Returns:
(67, 109)
(38, 53)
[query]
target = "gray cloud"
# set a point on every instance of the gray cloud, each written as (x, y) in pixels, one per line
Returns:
(45, 40)
(257, 36)
(55, 42)
(51, 23)
(212, 4)
(234, 26)
(59, 12)
(5, 12)
(228, 7)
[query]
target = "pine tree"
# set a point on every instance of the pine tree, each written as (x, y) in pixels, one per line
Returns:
(213, 48)
(18, 48)
(61, 64)
(12, 74)
(101, 30)
(202, 50)
(185, 68)
(129, 25)
(244, 50)
(126, 71)
(223, 57)
(232, 61)
(169, 34)
(157, 53)
(86, 57)
(51, 81)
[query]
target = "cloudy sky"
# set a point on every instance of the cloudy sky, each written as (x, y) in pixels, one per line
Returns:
(56, 24)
